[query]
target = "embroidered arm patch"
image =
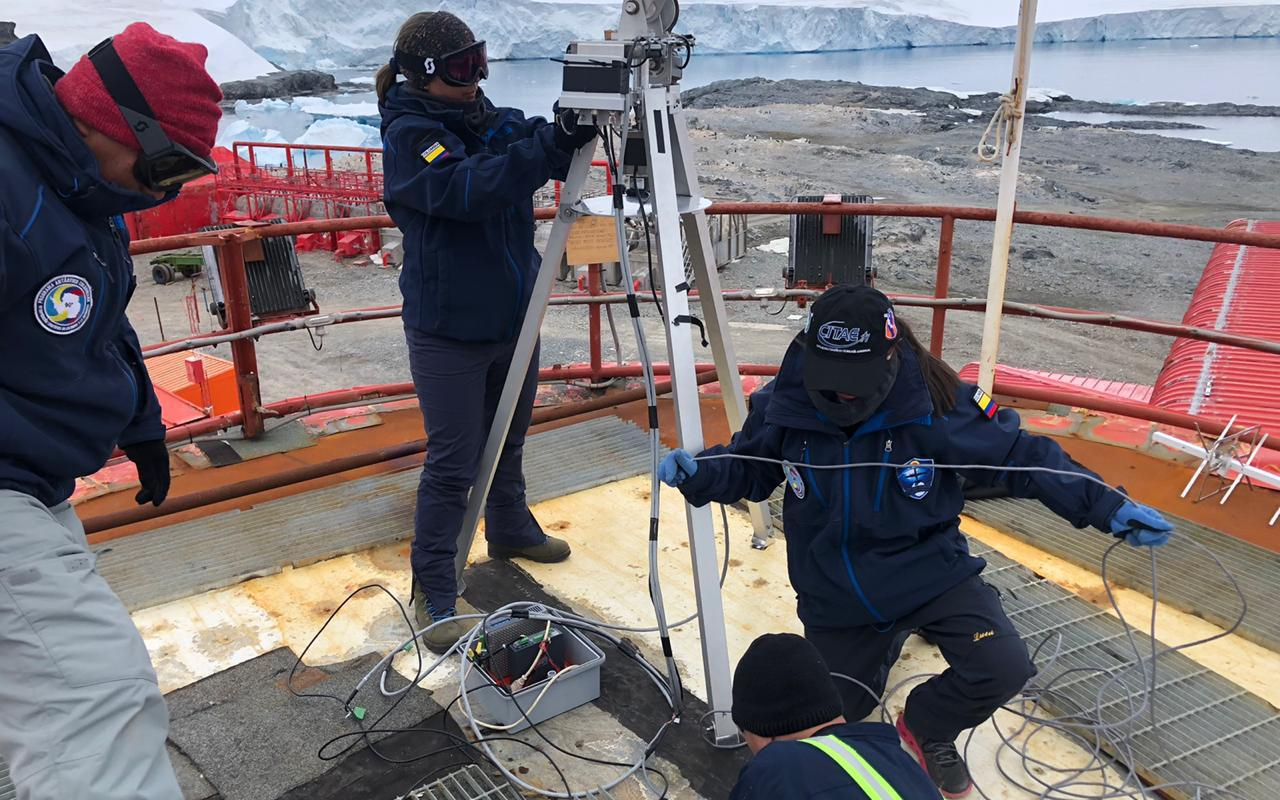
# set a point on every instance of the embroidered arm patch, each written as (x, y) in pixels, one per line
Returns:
(434, 151)
(985, 404)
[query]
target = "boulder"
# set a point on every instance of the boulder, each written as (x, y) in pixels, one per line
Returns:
(288, 83)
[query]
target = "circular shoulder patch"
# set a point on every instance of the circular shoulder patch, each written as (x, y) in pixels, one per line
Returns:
(63, 304)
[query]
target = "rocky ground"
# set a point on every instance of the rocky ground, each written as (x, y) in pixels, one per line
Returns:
(758, 140)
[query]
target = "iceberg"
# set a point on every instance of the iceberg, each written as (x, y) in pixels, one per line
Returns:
(337, 132)
(340, 132)
(245, 108)
(322, 107)
(240, 130)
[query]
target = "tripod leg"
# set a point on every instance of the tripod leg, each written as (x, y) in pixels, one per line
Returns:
(529, 332)
(702, 538)
(702, 254)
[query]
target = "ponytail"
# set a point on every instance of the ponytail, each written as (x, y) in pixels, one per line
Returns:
(941, 379)
(385, 79)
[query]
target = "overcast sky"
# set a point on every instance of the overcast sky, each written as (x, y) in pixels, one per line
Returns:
(1003, 12)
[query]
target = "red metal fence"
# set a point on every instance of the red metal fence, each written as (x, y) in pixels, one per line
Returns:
(241, 332)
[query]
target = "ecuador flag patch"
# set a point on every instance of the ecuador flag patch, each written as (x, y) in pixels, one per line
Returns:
(985, 404)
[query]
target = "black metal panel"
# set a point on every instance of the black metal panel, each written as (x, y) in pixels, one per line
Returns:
(276, 286)
(818, 260)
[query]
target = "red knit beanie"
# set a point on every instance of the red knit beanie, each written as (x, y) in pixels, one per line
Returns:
(170, 75)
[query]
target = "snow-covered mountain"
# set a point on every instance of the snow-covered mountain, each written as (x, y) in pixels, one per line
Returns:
(304, 33)
(70, 27)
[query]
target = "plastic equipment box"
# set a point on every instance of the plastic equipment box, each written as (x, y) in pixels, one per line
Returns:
(578, 686)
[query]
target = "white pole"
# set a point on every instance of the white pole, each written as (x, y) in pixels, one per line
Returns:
(1012, 158)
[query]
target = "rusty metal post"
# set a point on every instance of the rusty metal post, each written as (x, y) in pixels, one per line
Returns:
(942, 284)
(235, 294)
(593, 321)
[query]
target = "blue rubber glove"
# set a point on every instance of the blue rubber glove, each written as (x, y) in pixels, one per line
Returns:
(1140, 526)
(677, 467)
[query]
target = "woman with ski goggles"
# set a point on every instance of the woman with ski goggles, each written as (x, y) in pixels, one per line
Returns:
(460, 175)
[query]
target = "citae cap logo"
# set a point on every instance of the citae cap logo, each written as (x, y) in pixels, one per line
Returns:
(63, 303)
(837, 337)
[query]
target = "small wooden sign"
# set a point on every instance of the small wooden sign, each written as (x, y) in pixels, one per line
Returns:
(592, 240)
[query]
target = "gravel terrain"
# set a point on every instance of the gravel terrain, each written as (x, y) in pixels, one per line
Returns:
(759, 140)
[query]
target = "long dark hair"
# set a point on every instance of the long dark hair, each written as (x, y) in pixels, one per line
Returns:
(411, 32)
(942, 380)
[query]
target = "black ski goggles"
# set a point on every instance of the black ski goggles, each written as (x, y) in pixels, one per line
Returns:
(465, 67)
(163, 165)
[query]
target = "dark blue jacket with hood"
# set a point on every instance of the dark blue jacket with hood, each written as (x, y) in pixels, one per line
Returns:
(869, 545)
(72, 381)
(464, 199)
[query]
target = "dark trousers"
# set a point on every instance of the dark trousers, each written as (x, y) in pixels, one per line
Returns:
(459, 385)
(987, 661)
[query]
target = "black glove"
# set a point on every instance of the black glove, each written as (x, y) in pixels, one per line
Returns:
(570, 134)
(152, 460)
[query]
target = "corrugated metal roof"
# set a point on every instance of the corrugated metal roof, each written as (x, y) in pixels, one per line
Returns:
(170, 371)
(1014, 376)
(1238, 293)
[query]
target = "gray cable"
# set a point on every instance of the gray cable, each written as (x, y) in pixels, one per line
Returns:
(1086, 728)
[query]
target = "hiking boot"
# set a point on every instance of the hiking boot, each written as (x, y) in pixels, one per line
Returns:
(941, 760)
(443, 636)
(550, 551)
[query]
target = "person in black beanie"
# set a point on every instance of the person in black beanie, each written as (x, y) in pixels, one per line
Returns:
(459, 178)
(789, 710)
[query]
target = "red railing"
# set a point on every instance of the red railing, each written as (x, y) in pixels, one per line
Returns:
(241, 333)
(336, 179)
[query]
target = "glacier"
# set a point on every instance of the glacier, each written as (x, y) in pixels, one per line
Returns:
(300, 34)
(248, 38)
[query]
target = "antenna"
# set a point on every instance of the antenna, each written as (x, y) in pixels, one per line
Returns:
(628, 88)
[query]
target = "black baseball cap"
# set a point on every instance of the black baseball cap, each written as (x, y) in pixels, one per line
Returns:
(849, 341)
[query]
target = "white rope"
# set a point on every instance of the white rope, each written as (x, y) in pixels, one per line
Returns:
(1002, 127)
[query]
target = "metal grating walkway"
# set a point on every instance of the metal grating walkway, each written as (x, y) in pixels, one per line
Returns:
(1199, 588)
(7, 790)
(469, 783)
(1208, 730)
(200, 555)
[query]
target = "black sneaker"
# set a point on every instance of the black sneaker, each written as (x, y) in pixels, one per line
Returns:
(941, 760)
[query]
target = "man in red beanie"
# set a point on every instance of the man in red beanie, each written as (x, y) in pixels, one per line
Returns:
(81, 715)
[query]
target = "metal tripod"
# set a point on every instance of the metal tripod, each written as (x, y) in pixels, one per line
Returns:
(676, 201)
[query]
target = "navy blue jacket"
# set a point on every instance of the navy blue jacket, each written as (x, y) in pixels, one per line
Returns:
(465, 204)
(72, 382)
(870, 545)
(797, 771)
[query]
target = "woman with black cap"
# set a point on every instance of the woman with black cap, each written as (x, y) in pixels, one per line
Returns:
(460, 175)
(875, 553)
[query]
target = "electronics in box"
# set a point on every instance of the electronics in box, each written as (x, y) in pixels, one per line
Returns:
(513, 646)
